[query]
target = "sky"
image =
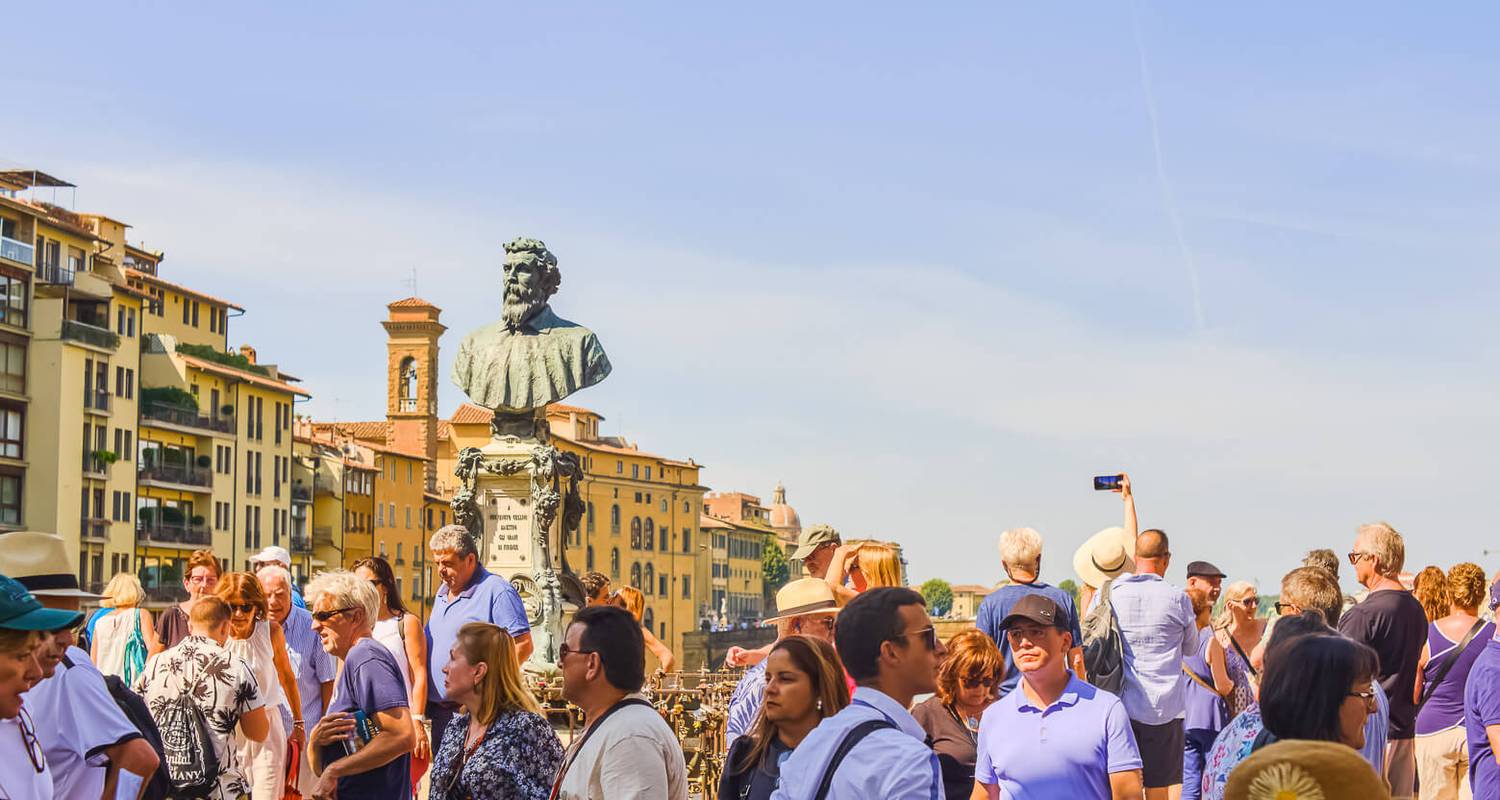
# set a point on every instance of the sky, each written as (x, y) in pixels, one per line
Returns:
(931, 267)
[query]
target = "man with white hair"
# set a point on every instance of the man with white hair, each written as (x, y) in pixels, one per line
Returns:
(1021, 557)
(1391, 621)
(470, 593)
(316, 668)
(353, 757)
(278, 555)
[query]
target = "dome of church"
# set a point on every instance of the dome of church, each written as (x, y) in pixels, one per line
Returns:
(783, 517)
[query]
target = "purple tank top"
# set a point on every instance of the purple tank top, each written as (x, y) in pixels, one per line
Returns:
(1446, 706)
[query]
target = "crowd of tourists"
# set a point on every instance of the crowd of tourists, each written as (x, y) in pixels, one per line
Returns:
(1135, 688)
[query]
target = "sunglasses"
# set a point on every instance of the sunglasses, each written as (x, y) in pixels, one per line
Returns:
(1356, 556)
(324, 616)
(242, 608)
(563, 651)
(975, 683)
(1286, 609)
(1250, 602)
(33, 745)
(928, 634)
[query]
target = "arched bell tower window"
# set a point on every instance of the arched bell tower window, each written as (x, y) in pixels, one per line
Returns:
(408, 384)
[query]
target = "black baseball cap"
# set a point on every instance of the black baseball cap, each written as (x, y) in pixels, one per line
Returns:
(1203, 569)
(1036, 608)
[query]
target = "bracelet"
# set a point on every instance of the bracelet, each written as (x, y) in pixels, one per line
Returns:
(297, 723)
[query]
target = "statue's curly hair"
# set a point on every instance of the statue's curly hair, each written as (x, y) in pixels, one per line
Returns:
(522, 250)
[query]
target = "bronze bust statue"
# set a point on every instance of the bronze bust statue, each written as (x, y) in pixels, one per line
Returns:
(530, 356)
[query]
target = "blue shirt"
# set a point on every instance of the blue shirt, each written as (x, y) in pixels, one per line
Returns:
(297, 599)
(1482, 709)
(888, 764)
(1066, 750)
(1157, 624)
(996, 607)
(317, 666)
(371, 681)
(488, 598)
(744, 704)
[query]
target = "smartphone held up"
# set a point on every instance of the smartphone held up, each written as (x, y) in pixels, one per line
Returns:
(1107, 483)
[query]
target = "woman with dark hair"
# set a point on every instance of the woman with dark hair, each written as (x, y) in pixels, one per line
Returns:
(1318, 687)
(804, 685)
(262, 646)
(966, 685)
(401, 633)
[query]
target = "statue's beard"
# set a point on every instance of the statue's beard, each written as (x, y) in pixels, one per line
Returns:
(520, 305)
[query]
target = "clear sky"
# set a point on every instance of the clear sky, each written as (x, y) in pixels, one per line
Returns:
(932, 267)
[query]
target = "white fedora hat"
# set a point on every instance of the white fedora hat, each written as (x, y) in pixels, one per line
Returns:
(39, 561)
(804, 596)
(1107, 554)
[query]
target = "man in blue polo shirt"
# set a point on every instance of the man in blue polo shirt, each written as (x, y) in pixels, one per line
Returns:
(1055, 736)
(470, 593)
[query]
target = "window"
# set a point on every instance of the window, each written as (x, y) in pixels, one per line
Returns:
(614, 519)
(75, 259)
(195, 313)
(590, 516)
(409, 473)
(687, 540)
(12, 365)
(13, 432)
(186, 307)
(635, 533)
(408, 516)
(379, 515)
(13, 292)
(661, 581)
(687, 587)
(399, 559)
(120, 320)
(648, 473)
(664, 505)
(619, 465)
(687, 506)
(391, 514)
(129, 383)
(614, 563)
(635, 470)
(635, 574)
(589, 559)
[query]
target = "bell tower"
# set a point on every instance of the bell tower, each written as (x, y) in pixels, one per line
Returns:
(412, 333)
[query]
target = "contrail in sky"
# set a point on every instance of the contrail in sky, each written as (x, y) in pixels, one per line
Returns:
(1167, 198)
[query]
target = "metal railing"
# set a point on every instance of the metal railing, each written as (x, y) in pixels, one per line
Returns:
(178, 415)
(301, 494)
(96, 400)
(89, 334)
(301, 543)
(94, 466)
(184, 474)
(17, 250)
(175, 533)
(55, 274)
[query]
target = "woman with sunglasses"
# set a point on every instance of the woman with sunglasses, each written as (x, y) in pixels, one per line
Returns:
(1239, 628)
(966, 685)
(500, 747)
(401, 633)
(262, 646)
(631, 599)
(804, 685)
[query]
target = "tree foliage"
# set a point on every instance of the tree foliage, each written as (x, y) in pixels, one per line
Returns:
(939, 597)
(774, 568)
(1071, 588)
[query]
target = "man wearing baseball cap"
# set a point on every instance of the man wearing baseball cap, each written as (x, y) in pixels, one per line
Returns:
(1206, 578)
(278, 555)
(90, 743)
(815, 548)
(1055, 735)
(24, 627)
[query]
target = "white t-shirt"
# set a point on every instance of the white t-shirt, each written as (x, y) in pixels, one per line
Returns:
(19, 779)
(633, 757)
(80, 720)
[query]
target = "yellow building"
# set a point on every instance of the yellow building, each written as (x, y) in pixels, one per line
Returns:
(742, 531)
(966, 600)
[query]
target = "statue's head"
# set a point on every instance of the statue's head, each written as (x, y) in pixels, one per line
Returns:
(531, 277)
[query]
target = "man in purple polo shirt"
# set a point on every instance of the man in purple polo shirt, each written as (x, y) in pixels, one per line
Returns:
(1054, 736)
(470, 593)
(1482, 713)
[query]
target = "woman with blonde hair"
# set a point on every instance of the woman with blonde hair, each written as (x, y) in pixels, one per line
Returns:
(1454, 641)
(1430, 587)
(631, 599)
(861, 565)
(1239, 628)
(500, 747)
(968, 681)
(126, 636)
(804, 685)
(262, 646)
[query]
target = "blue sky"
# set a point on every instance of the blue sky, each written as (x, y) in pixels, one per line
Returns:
(920, 264)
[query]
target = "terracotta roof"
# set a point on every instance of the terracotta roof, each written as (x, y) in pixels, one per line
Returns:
(470, 414)
(564, 408)
(973, 588)
(382, 448)
(177, 287)
(248, 377)
(363, 431)
(411, 302)
(444, 430)
(705, 521)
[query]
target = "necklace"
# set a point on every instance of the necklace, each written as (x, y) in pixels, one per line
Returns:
(969, 723)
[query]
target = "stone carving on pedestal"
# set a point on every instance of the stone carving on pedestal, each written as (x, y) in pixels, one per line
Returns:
(519, 495)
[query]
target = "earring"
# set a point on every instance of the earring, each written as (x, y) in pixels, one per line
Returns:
(820, 704)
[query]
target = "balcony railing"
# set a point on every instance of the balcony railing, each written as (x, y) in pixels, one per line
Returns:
(96, 401)
(178, 415)
(16, 251)
(301, 543)
(94, 587)
(183, 474)
(179, 533)
(55, 274)
(301, 494)
(166, 594)
(94, 466)
(94, 529)
(89, 334)
(323, 534)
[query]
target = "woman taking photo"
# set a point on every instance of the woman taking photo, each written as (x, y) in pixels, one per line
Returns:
(401, 633)
(857, 566)
(500, 747)
(965, 688)
(1454, 640)
(262, 646)
(631, 599)
(126, 636)
(804, 684)
(1240, 629)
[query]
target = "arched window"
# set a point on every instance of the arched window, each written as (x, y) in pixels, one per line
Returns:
(650, 538)
(590, 559)
(408, 388)
(635, 533)
(648, 619)
(614, 519)
(591, 516)
(635, 574)
(649, 581)
(614, 563)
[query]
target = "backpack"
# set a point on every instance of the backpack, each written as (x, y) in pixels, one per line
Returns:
(189, 757)
(158, 786)
(135, 652)
(1103, 645)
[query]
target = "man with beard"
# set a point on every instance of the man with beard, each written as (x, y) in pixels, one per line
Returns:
(529, 357)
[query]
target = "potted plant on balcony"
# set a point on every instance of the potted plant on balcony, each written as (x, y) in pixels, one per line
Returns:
(171, 515)
(105, 457)
(226, 410)
(197, 520)
(205, 461)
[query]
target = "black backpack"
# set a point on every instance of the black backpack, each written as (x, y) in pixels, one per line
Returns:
(158, 787)
(1104, 645)
(189, 758)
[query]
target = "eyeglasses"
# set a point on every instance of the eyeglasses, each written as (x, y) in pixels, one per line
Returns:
(242, 608)
(324, 616)
(928, 634)
(1367, 696)
(1356, 556)
(1287, 609)
(563, 651)
(825, 622)
(33, 746)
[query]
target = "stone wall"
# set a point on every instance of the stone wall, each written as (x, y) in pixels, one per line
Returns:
(707, 649)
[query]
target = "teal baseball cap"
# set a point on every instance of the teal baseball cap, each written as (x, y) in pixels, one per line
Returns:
(20, 611)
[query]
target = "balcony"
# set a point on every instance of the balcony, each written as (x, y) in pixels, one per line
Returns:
(93, 530)
(96, 401)
(89, 334)
(301, 543)
(95, 467)
(174, 534)
(166, 594)
(174, 476)
(323, 534)
(16, 251)
(301, 494)
(186, 417)
(54, 274)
